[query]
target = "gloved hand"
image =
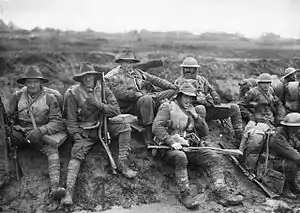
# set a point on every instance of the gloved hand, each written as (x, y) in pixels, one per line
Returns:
(176, 146)
(34, 136)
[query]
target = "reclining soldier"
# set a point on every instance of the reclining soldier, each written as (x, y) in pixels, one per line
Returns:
(285, 144)
(34, 105)
(175, 119)
(208, 98)
(137, 92)
(83, 107)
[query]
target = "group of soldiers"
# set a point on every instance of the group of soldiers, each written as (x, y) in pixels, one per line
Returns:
(167, 111)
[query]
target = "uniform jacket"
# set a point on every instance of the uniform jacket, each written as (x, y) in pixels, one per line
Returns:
(79, 114)
(45, 109)
(281, 135)
(172, 119)
(205, 92)
(128, 86)
(264, 111)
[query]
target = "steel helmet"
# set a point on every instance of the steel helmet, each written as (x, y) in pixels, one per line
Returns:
(190, 62)
(289, 71)
(291, 119)
(264, 78)
(187, 89)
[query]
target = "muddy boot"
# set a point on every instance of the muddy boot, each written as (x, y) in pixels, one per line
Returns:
(184, 188)
(287, 192)
(57, 192)
(225, 198)
(73, 169)
(220, 191)
(124, 147)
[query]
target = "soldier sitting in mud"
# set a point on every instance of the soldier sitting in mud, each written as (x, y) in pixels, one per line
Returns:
(138, 93)
(38, 122)
(83, 107)
(173, 120)
(208, 98)
(285, 145)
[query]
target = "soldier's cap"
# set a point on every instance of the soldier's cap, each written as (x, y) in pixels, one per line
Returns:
(127, 57)
(291, 119)
(187, 89)
(86, 68)
(32, 72)
(289, 71)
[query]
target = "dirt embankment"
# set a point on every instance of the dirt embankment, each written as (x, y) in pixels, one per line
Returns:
(97, 189)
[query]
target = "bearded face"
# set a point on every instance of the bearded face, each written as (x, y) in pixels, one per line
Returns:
(190, 72)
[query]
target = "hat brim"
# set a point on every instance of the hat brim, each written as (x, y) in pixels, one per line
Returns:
(290, 73)
(192, 66)
(289, 124)
(127, 60)
(264, 81)
(22, 80)
(190, 94)
(79, 77)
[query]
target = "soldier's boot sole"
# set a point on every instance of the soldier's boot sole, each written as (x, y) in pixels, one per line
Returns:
(67, 200)
(230, 200)
(58, 193)
(188, 202)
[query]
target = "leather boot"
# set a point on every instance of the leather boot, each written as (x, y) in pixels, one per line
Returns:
(73, 169)
(57, 192)
(184, 188)
(124, 147)
(287, 192)
(219, 188)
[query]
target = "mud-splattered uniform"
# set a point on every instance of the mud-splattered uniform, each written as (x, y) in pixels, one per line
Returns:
(208, 97)
(47, 114)
(269, 111)
(172, 119)
(139, 93)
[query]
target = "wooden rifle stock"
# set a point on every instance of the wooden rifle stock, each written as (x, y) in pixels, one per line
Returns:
(106, 140)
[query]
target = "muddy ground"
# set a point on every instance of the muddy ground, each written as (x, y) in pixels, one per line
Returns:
(154, 189)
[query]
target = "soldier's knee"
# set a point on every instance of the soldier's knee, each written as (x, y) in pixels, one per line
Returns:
(180, 158)
(200, 109)
(145, 100)
(235, 108)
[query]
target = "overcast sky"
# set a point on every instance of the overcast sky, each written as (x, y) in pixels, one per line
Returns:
(249, 17)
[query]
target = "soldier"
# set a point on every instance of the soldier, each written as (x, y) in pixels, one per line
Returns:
(83, 107)
(175, 118)
(138, 92)
(209, 99)
(245, 85)
(285, 144)
(269, 109)
(288, 90)
(38, 122)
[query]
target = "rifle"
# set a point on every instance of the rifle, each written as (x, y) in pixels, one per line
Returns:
(8, 141)
(195, 149)
(106, 133)
(251, 176)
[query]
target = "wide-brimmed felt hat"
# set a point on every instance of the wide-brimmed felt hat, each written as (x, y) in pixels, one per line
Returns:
(32, 72)
(127, 57)
(187, 89)
(86, 68)
(289, 71)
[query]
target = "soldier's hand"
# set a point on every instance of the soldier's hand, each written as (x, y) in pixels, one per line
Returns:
(92, 102)
(191, 109)
(176, 146)
(34, 136)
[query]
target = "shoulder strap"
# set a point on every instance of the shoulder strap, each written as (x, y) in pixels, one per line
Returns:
(268, 99)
